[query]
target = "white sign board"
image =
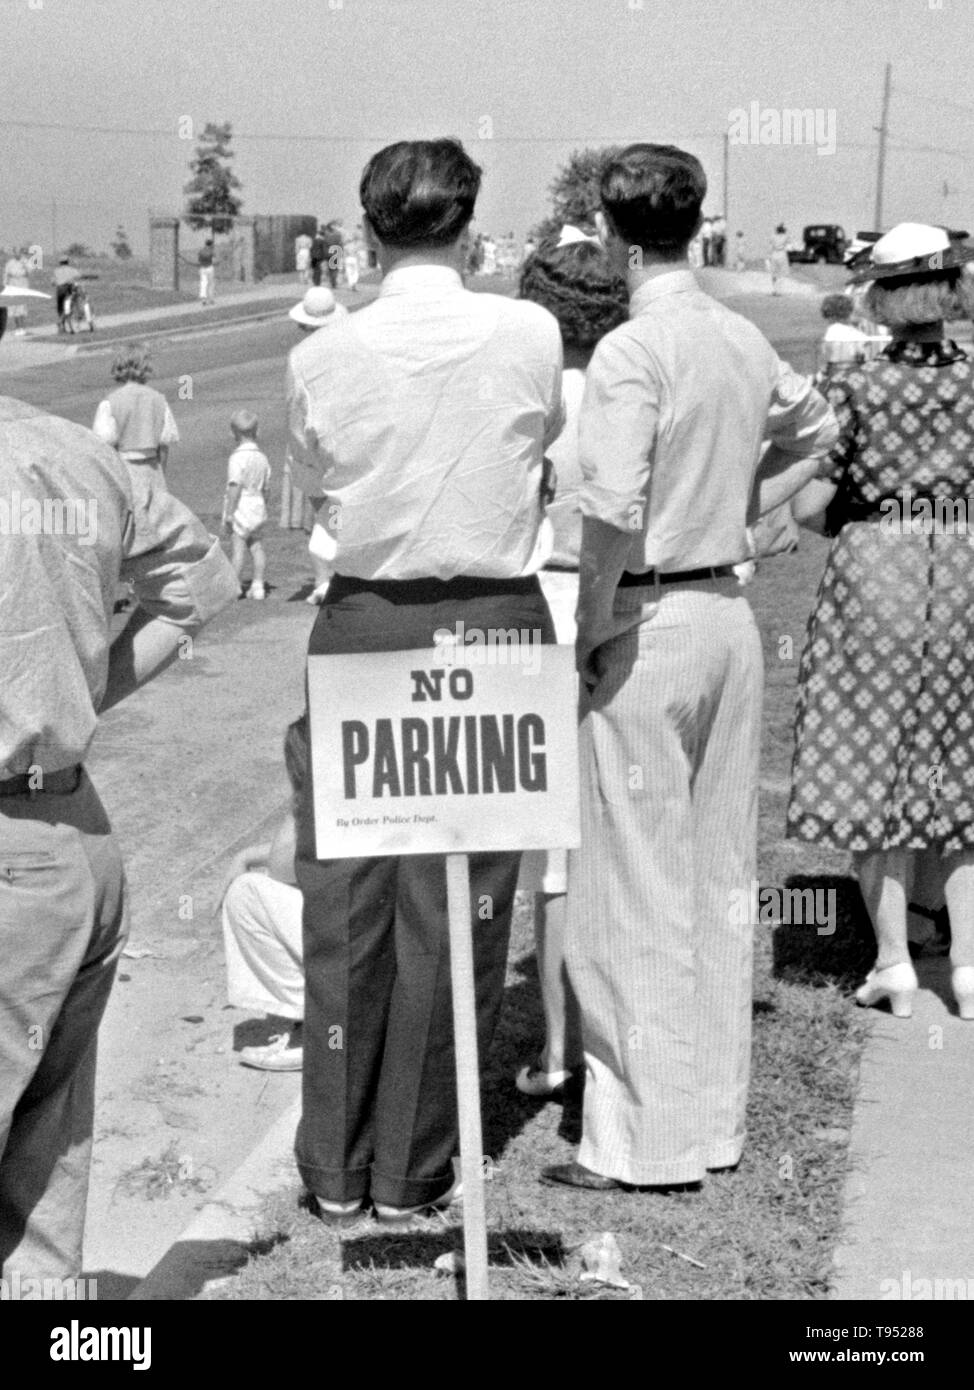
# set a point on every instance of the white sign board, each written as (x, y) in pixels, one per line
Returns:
(444, 750)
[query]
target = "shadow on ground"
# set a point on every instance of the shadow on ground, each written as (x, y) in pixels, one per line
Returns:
(112, 1286)
(836, 946)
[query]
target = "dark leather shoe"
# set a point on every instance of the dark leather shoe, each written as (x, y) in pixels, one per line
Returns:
(574, 1175)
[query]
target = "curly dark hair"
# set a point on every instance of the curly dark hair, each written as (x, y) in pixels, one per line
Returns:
(837, 308)
(132, 363)
(577, 284)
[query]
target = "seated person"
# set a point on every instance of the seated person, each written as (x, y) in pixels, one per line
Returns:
(262, 927)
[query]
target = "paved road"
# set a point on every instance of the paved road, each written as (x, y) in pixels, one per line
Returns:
(205, 379)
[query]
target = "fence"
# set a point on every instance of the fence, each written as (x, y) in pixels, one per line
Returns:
(254, 248)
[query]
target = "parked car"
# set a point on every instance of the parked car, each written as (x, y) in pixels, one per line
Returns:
(823, 242)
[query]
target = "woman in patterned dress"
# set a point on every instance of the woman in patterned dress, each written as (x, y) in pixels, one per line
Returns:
(884, 757)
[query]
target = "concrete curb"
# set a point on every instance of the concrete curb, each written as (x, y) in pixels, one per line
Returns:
(214, 1244)
(189, 330)
(904, 1206)
(97, 344)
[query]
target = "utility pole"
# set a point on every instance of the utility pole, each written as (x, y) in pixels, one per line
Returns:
(726, 178)
(881, 163)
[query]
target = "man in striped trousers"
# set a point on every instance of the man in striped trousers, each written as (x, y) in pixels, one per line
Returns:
(677, 404)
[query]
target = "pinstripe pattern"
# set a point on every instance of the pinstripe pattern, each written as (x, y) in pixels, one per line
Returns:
(669, 751)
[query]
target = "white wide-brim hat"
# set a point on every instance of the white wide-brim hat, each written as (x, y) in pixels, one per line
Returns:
(911, 249)
(318, 308)
(20, 295)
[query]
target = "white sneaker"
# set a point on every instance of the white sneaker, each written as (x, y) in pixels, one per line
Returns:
(277, 1055)
(257, 591)
(427, 1212)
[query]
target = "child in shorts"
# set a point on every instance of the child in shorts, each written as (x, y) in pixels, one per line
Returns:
(245, 504)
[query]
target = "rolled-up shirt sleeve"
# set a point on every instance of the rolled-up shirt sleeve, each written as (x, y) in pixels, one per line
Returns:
(304, 455)
(105, 425)
(179, 571)
(556, 415)
(800, 419)
(617, 431)
(170, 430)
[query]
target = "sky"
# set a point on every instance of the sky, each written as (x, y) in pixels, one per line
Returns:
(98, 95)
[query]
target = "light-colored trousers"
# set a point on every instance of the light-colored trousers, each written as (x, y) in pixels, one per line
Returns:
(659, 949)
(263, 947)
(62, 929)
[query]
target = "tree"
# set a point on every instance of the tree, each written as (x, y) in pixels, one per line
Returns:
(575, 191)
(78, 251)
(211, 201)
(120, 245)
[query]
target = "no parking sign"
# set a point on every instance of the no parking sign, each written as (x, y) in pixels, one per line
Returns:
(462, 748)
(425, 752)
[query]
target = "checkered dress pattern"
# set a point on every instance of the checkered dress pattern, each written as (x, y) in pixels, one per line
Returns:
(884, 755)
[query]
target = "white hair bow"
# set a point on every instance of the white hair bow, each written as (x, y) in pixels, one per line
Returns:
(570, 235)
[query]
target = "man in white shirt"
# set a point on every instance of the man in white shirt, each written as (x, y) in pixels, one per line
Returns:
(678, 401)
(422, 420)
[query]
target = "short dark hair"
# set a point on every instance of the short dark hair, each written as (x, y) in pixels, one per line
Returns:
(420, 192)
(577, 284)
(652, 195)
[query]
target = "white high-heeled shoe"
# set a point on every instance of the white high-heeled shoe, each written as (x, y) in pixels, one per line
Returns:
(897, 983)
(962, 982)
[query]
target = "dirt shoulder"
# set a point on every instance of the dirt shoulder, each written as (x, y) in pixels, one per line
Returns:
(190, 770)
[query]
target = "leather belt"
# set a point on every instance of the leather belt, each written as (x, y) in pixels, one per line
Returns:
(59, 783)
(652, 577)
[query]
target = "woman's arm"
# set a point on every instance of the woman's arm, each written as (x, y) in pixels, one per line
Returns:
(809, 506)
(779, 477)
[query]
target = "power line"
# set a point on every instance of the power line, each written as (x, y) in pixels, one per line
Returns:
(298, 138)
(934, 101)
(934, 149)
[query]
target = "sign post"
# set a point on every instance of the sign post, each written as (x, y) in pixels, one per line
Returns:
(468, 1077)
(448, 751)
